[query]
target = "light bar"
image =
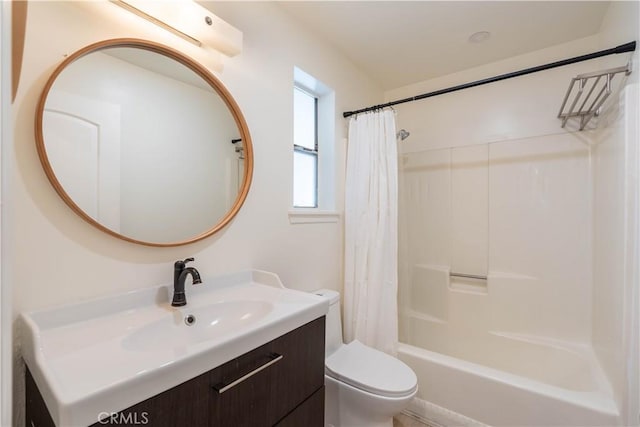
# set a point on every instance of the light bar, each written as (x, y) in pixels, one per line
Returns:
(190, 21)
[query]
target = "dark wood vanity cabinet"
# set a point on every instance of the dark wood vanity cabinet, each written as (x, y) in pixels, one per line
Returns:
(278, 384)
(294, 372)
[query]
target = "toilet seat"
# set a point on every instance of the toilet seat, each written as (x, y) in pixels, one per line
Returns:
(371, 370)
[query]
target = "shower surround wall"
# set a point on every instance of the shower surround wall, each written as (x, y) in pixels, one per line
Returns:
(491, 185)
(616, 179)
(520, 207)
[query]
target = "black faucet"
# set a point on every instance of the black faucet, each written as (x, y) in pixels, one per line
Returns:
(180, 273)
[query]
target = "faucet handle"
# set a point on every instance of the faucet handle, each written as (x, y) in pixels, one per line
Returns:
(179, 265)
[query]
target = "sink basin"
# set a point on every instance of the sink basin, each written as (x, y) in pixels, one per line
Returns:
(206, 323)
(103, 356)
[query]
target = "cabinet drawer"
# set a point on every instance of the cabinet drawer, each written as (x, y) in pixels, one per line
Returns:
(309, 414)
(261, 387)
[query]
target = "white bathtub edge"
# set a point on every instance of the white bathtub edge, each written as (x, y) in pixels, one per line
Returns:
(589, 400)
(437, 416)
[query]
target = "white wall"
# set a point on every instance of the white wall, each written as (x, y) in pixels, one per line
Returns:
(615, 224)
(56, 258)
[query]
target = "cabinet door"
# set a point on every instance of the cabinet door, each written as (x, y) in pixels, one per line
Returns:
(261, 387)
(36, 412)
(184, 405)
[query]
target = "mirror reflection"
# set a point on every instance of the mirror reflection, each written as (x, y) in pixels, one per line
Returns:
(143, 145)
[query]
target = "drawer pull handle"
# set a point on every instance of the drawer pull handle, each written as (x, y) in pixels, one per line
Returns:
(221, 388)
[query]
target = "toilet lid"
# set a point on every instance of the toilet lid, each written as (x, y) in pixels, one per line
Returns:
(371, 370)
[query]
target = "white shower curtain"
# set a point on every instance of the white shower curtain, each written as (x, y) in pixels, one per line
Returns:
(371, 232)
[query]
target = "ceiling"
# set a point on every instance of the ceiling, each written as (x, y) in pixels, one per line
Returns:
(403, 42)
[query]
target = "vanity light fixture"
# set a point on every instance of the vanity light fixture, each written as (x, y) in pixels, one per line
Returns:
(188, 20)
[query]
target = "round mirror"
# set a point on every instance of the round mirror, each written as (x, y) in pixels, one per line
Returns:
(144, 143)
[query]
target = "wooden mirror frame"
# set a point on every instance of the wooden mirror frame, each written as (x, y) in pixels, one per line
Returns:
(196, 68)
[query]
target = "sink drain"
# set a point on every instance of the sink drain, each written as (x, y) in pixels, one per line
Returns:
(189, 319)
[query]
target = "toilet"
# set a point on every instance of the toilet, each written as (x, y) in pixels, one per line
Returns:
(364, 387)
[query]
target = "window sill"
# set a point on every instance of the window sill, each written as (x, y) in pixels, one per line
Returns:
(312, 216)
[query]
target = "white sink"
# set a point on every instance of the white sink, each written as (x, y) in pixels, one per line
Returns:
(201, 324)
(102, 356)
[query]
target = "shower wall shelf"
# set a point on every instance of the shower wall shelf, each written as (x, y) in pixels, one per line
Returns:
(598, 83)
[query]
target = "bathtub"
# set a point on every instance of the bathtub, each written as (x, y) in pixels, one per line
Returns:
(500, 379)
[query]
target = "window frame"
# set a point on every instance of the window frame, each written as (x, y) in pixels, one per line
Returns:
(328, 153)
(307, 151)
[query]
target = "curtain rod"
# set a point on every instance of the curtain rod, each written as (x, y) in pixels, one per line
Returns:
(627, 47)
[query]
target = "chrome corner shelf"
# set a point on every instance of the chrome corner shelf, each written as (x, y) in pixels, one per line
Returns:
(597, 82)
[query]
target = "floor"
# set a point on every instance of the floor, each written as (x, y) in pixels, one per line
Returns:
(403, 420)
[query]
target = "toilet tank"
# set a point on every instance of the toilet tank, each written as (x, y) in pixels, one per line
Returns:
(333, 331)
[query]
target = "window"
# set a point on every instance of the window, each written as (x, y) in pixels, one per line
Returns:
(305, 149)
(314, 151)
